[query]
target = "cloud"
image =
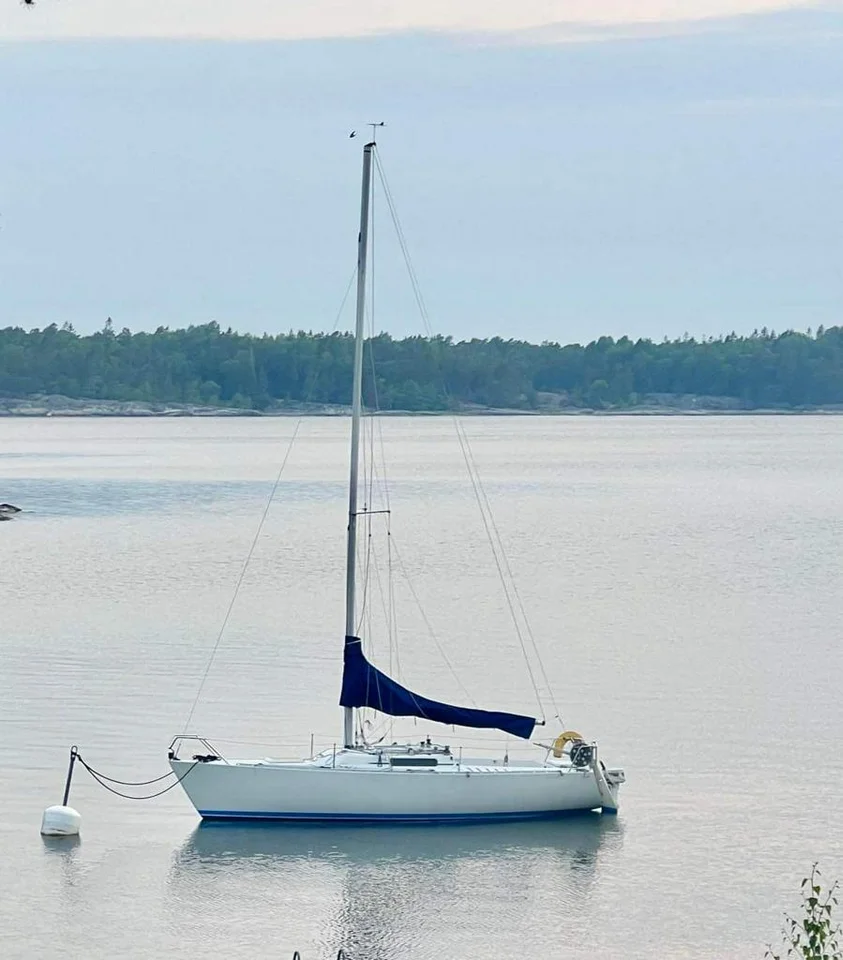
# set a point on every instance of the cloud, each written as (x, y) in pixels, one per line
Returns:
(562, 20)
(811, 21)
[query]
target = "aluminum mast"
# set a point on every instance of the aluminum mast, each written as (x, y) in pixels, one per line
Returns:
(356, 411)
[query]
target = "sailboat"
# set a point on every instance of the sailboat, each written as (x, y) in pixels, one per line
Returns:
(415, 782)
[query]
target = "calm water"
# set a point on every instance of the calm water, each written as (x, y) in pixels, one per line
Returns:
(683, 577)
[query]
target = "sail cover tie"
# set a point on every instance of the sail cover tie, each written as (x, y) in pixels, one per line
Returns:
(363, 685)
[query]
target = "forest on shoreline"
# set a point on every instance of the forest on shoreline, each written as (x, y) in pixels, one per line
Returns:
(207, 366)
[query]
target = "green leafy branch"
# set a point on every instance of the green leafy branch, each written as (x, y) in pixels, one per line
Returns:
(813, 934)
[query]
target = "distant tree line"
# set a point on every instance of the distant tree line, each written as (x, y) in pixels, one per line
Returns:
(207, 365)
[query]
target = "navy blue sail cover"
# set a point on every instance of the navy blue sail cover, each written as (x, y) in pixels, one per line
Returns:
(365, 686)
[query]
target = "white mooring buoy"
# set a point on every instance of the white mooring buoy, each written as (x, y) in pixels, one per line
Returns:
(62, 820)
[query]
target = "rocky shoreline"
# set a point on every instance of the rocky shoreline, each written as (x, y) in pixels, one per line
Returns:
(656, 405)
(58, 406)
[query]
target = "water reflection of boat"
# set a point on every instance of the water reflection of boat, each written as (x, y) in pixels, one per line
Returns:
(575, 839)
(380, 893)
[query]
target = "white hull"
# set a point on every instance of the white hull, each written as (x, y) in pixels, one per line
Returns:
(354, 788)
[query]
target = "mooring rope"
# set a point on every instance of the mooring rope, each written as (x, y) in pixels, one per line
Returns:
(128, 783)
(101, 779)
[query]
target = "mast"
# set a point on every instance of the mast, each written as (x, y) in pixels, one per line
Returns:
(356, 411)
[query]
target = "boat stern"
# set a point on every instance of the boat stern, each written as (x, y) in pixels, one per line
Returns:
(608, 780)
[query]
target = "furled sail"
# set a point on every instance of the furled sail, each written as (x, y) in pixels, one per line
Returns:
(365, 686)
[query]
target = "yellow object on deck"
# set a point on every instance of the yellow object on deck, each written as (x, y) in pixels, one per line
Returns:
(559, 744)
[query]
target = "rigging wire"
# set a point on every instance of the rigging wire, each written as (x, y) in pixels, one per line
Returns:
(492, 531)
(375, 421)
(388, 723)
(262, 521)
(506, 586)
(514, 585)
(428, 624)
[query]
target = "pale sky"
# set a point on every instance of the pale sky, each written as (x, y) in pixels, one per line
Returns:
(299, 19)
(677, 168)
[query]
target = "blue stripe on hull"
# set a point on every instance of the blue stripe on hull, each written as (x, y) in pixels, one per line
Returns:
(389, 817)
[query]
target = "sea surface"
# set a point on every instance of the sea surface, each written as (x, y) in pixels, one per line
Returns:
(683, 579)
